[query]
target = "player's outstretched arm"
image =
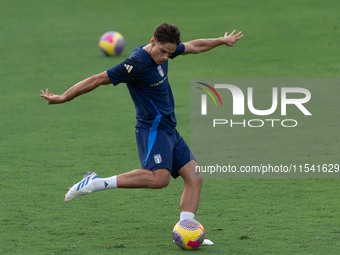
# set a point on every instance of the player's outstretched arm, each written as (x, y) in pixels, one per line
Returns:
(78, 89)
(202, 45)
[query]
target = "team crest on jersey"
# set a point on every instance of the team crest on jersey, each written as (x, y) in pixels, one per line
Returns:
(158, 158)
(160, 70)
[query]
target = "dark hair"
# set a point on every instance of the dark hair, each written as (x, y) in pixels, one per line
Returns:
(167, 33)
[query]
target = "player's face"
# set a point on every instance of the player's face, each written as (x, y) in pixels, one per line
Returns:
(161, 52)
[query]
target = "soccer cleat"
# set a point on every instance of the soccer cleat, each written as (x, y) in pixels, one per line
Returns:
(207, 242)
(85, 186)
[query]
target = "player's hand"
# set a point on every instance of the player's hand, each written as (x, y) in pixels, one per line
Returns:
(231, 39)
(51, 98)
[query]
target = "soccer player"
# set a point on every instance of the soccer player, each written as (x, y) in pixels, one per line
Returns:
(162, 151)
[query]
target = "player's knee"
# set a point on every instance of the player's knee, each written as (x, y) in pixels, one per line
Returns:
(192, 177)
(161, 179)
(196, 175)
(196, 180)
(161, 184)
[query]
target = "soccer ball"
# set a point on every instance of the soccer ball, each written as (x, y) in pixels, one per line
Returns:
(111, 43)
(188, 234)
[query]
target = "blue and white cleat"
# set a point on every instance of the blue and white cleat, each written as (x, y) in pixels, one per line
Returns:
(85, 186)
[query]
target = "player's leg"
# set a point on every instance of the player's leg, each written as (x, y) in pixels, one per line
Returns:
(191, 192)
(184, 165)
(155, 154)
(141, 178)
(192, 188)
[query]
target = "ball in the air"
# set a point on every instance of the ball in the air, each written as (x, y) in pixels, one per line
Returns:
(111, 43)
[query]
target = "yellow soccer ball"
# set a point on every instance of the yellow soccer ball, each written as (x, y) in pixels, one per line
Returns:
(188, 234)
(111, 43)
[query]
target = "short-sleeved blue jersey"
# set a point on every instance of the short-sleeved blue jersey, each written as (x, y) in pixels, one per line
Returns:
(149, 88)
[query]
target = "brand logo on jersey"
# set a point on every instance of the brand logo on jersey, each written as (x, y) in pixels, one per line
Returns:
(158, 158)
(160, 70)
(128, 68)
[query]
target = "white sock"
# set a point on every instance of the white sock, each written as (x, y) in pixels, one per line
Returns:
(104, 183)
(186, 215)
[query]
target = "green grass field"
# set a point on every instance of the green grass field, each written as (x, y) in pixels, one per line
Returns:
(45, 149)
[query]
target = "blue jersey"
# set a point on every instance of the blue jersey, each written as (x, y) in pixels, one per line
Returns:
(149, 88)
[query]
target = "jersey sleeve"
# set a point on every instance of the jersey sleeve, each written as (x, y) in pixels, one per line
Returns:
(179, 50)
(128, 71)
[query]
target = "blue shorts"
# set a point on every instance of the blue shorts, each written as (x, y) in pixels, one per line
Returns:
(161, 149)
